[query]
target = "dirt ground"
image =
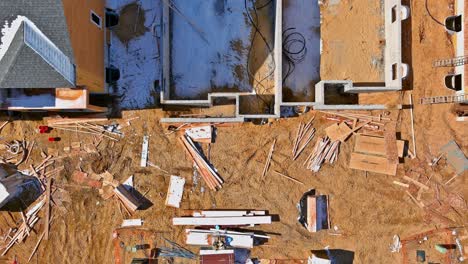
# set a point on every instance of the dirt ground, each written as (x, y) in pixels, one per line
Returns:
(367, 209)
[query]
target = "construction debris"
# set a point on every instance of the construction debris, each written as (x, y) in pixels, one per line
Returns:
(29, 220)
(85, 126)
(127, 198)
(208, 173)
(325, 151)
(175, 251)
(175, 191)
(221, 239)
(305, 134)
(455, 157)
(224, 218)
(313, 211)
(268, 160)
(132, 222)
(144, 152)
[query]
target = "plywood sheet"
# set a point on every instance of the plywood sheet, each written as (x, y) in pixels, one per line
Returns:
(375, 145)
(372, 163)
(338, 131)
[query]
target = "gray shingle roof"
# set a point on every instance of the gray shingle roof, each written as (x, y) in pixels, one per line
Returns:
(22, 67)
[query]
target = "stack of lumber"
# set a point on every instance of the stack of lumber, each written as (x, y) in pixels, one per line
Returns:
(371, 154)
(208, 173)
(372, 124)
(83, 126)
(325, 150)
(305, 134)
(24, 230)
(201, 237)
(202, 134)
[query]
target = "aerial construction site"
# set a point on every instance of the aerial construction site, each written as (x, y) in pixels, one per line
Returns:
(233, 131)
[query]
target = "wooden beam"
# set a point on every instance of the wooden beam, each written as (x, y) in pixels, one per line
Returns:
(420, 185)
(47, 204)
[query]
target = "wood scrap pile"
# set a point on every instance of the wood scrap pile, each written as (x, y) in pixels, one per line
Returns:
(369, 124)
(18, 235)
(325, 151)
(16, 151)
(208, 173)
(86, 126)
(305, 134)
(439, 203)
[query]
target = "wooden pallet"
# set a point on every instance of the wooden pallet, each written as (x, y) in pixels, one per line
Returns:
(444, 99)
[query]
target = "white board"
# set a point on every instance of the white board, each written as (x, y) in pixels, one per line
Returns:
(175, 191)
(222, 221)
(144, 151)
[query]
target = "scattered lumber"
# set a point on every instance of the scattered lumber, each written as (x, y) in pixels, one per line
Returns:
(268, 161)
(208, 173)
(30, 219)
(415, 182)
(305, 134)
(86, 126)
(325, 151)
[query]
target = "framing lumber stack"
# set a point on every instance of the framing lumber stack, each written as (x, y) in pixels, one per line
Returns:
(324, 151)
(208, 173)
(305, 134)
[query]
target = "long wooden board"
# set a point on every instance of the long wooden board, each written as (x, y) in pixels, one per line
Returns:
(372, 163)
(376, 145)
(311, 213)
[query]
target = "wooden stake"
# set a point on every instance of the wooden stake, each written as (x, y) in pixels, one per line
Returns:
(268, 161)
(412, 125)
(289, 178)
(47, 204)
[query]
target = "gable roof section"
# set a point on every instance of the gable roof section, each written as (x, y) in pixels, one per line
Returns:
(40, 54)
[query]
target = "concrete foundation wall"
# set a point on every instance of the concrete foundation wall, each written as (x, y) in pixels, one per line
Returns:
(395, 70)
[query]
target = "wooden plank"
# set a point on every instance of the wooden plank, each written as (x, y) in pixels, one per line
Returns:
(401, 184)
(391, 142)
(47, 204)
(289, 178)
(222, 221)
(268, 161)
(420, 185)
(375, 145)
(144, 151)
(311, 213)
(338, 131)
(372, 163)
